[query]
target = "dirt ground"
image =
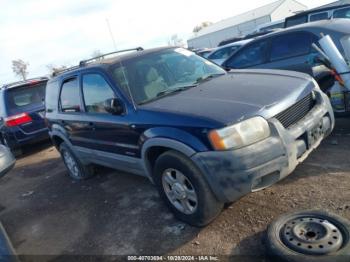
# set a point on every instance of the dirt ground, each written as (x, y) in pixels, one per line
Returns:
(115, 213)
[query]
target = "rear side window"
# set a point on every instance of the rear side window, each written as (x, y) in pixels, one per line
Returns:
(254, 54)
(20, 99)
(96, 91)
(290, 45)
(319, 16)
(70, 96)
(342, 13)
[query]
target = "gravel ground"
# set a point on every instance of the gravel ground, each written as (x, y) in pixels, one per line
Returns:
(114, 213)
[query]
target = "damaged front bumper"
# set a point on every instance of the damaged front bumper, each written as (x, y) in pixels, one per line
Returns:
(235, 173)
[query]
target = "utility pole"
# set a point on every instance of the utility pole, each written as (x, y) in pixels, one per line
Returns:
(110, 32)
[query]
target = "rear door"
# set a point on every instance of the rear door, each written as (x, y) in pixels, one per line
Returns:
(28, 99)
(292, 51)
(72, 118)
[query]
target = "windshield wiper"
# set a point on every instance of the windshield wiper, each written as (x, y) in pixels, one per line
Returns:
(203, 79)
(167, 92)
(175, 90)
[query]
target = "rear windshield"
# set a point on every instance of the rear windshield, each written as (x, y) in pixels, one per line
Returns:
(20, 99)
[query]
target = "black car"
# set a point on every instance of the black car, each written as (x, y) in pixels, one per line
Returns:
(201, 135)
(317, 14)
(22, 113)
(291, 49)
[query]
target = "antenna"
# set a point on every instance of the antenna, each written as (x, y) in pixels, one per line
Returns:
(111, 33)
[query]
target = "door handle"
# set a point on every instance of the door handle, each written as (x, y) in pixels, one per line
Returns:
(92, 126)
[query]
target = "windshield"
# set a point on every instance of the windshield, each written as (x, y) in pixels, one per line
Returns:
(154, 75)
(20, 99)
(224, 53)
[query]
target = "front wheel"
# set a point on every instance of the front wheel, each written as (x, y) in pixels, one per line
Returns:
(183, 188)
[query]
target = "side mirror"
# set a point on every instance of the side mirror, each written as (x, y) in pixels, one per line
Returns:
(114, 106)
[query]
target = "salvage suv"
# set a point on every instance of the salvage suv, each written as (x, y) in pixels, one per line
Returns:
(202, 135)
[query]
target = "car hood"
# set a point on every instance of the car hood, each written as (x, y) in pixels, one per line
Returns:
(238, 95)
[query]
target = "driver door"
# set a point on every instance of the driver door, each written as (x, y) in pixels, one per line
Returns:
(111, 134)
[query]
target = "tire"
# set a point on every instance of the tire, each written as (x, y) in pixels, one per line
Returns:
(76, 169)
(199, 212)
(280, 250)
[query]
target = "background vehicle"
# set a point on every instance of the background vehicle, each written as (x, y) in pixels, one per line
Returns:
(22, 113)
(163, 113)
(246, 37)
(313, 15)
(219, 55)
(7, 161)
(291, 49)
(204, 52)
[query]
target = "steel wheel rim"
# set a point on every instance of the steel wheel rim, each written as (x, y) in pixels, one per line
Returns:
(179, 191)
(312, 235)
(71, 163)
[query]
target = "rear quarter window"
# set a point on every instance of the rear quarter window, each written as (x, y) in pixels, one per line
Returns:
(20, 99)
(51, 98)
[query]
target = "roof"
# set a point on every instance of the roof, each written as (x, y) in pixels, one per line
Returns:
(25, 82)
(242, 42)
(119, 57)
(242, 18)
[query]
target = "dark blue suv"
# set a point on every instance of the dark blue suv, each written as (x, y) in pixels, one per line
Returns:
(202, 135)
(22, 113)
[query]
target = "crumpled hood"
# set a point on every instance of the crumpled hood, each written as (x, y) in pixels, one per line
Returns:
(238, 95)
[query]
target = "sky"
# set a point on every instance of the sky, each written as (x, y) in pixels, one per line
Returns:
(63, 32)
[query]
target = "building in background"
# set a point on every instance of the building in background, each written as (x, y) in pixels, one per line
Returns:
(245, 23)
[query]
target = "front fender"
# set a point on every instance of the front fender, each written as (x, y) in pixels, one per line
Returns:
(171, 138)
(175, 135)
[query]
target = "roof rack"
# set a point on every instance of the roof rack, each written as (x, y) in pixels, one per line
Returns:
(85, 62)
(23, 82)
(65, 70)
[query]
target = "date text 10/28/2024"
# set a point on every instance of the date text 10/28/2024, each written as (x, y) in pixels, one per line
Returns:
(172, 258)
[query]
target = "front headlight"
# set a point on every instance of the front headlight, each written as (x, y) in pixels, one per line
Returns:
(239, 135)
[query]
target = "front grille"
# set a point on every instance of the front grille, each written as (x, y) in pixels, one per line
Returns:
(297, 111)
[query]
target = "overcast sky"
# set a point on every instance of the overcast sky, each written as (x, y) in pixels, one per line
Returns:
(63, 32)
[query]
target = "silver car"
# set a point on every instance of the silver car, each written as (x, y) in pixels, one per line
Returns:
(7, 161)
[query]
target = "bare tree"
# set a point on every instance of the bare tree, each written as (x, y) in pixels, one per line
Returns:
(96, 53)
(55, 69)
(199, 27)
(175, 40)
(20, 68)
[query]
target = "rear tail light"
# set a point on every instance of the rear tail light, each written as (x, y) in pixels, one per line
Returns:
(17, 120)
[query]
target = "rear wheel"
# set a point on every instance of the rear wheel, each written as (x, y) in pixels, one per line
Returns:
(76, 169)
(183, 188)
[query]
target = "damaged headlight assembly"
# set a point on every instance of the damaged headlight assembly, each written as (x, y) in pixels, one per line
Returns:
(240, 135)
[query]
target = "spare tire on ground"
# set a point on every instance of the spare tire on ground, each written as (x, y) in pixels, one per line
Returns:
(309, 236)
